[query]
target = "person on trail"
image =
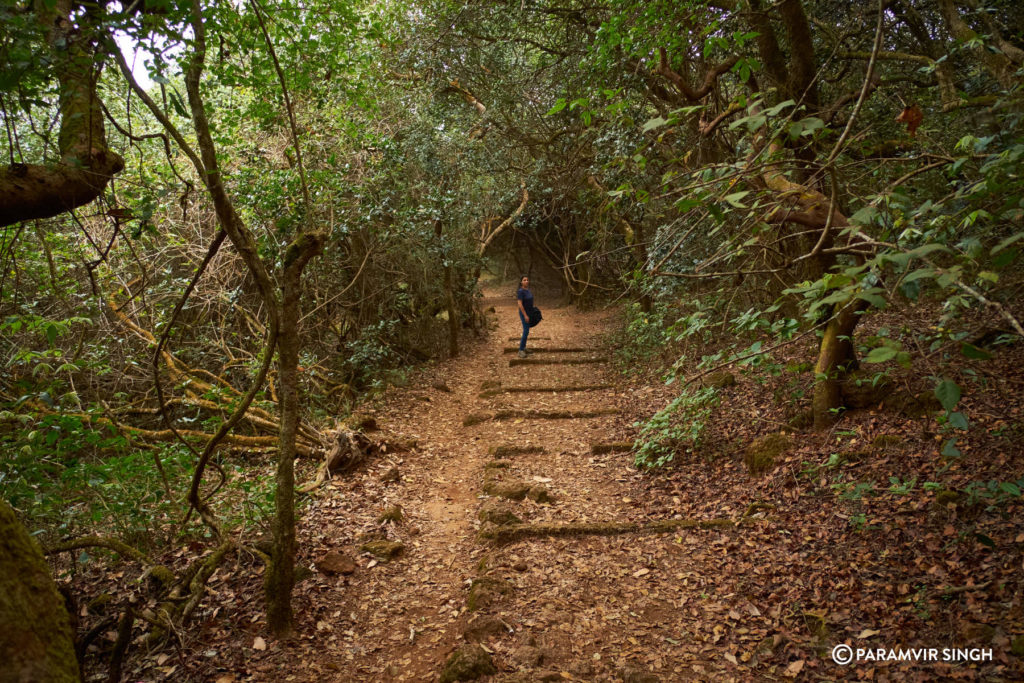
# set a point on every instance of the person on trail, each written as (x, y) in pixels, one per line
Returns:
(524, 299)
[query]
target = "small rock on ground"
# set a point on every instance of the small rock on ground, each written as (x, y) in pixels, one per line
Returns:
(334, 562)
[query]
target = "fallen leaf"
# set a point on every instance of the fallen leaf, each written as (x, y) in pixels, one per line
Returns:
(731, 658)
(641, 572)
(793, 669)
(867, 633)
(259, 644)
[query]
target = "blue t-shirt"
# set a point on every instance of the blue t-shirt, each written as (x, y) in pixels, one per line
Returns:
(526, 296)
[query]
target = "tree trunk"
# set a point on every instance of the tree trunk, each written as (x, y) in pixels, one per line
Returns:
(36, 642)
(280, 578)
(453, 315)
(1001, 64)
(835, 358)
(281, 572)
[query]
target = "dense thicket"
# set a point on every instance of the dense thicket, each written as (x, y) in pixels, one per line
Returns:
(212, 267)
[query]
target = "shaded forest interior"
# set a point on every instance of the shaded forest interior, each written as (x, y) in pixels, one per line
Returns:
(257, 255)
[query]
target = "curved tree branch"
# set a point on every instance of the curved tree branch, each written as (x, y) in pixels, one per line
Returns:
(86, 164)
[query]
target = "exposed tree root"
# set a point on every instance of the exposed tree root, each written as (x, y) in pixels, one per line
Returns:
(515, 532)
(477, 418)
(122, 549)
(348, 450)
(178, 596)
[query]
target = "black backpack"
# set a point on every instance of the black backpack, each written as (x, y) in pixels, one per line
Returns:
(535, 316)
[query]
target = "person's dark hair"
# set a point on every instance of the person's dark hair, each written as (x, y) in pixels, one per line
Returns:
(521, 278)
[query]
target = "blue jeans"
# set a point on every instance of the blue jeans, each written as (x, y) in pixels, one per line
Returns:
(526, 331)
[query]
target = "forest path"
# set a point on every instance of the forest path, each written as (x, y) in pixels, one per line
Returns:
(548, 608)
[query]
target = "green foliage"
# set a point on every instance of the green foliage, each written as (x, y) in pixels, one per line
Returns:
(854, 490)
(642, 337)
(69, 479)
(993, 494)
(677, 428)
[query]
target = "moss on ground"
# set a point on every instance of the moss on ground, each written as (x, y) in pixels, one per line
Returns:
(509, 490)
(720, 380)
(468, 663)
(383, 550)
(392, 514)
(497, 513)
(485, 591)
(760, 456)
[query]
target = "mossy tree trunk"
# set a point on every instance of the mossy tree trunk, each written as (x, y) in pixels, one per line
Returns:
(36, 642)
(835, 358)
(280, 578)
(86, 164)
(449, 293)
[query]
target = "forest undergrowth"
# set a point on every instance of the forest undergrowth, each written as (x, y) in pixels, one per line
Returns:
(905, 522)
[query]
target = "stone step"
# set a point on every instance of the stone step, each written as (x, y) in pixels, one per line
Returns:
(477, 418)
(611, 447)
(553, 349)
(494, 391)
(555, 361)
(516, 532)
(509, 450)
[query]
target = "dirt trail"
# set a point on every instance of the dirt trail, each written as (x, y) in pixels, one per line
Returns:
(568, 608)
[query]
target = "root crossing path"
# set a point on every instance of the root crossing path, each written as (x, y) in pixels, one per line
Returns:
(526, 553)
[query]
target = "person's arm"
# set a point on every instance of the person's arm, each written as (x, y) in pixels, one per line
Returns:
(519, 300)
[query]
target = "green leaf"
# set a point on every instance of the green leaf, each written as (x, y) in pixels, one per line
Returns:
(873, 299)
(972, 351)
(51, 334)
(948, 393)
(559, 106)
(949, 449)
(177, 104)
(865, 215)
(959, 421)
(1007, 242)
(1010, 488)
(735, 197)
(779, 107)
(985, 540)
(881, 354)
(920, 273)
(989, 275)
(926, 249)
(656, 122)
